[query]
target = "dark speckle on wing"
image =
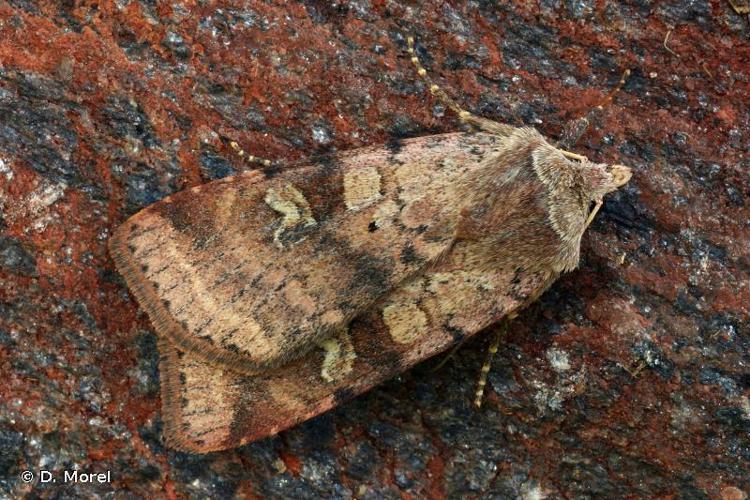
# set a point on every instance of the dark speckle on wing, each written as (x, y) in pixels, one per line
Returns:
(409, 255)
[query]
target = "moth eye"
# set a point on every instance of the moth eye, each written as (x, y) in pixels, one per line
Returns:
(372, 227)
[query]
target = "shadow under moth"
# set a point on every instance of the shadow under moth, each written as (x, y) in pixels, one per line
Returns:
(279, 293)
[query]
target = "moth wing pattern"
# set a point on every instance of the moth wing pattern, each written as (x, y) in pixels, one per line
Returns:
(253, 271)
(207, 408)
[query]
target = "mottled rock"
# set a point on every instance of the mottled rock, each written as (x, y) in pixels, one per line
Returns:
(15, 258)
(627, 378)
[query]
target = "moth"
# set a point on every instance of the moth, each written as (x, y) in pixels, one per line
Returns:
(277, 294)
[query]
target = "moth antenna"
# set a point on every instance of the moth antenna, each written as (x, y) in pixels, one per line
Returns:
(434, 88)
(607, 100)
(575, 129)
(491, 350)
(463, 115)
(248, 158)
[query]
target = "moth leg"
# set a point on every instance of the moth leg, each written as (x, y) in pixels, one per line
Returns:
(248, 157)
(593, 212)
(575, 129)
(450, 354)
(467, 117)
(491, 351)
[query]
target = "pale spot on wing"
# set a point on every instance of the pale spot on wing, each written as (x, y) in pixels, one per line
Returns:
(361, 187)
(454, 294)
(412, 178)
(294, 208)
(339, 356)
(405, 321)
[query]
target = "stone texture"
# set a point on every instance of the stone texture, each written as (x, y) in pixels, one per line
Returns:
(629, 378)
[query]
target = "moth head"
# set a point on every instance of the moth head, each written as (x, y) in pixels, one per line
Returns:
(600, 179)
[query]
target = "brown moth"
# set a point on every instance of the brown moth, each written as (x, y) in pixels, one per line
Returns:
(279, 294)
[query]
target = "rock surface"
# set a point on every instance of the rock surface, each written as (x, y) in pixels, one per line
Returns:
(630, 377)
